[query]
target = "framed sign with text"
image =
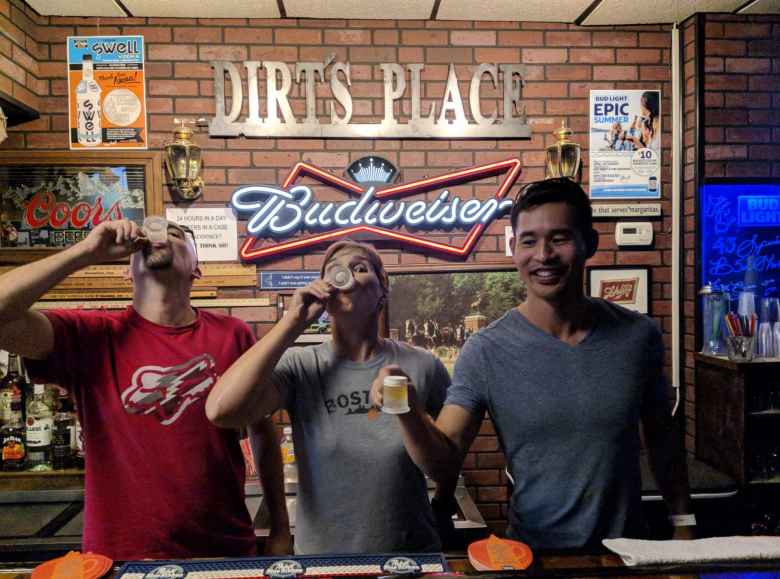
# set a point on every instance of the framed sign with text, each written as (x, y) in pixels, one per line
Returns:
(49, 201)
(625, 286)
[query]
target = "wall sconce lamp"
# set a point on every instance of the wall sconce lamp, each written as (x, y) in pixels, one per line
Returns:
(183, 161)
(563, 156)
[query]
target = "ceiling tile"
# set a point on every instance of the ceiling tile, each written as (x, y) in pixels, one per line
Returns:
(525, 10)
(656, 12)
(189, 9)
(384, 9)
(80, 8)
(762, 7)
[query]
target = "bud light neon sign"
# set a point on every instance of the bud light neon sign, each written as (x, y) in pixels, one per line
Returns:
(279, 213)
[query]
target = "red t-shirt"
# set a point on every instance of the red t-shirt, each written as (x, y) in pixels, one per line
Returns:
(161, 480)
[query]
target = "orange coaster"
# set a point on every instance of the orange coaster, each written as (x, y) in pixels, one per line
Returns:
(494, 554)
(74, 565)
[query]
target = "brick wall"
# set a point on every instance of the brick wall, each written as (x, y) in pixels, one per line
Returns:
(564, 62)
(733, 72)
(20, 54)
(690, 91)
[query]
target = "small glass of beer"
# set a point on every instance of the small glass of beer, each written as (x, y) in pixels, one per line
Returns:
(395, 395)
(156, 229)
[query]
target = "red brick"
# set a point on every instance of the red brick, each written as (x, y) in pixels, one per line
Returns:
(151, 34)
(748, 135)
(386, 37)
(618, 73)
(748, 65)
(497, 55)
(654, 73)
(544, 55)
(248, 176)
(53, 34)
(248, 36)
(725, 48)
(229, 52)
(639, 258)
(492, 494)
(447, 55)
(373, 54)
(545, 89)
(567, 39)
(52, 69)
(256, 314)
(567, 72)
(226, 158)
(714, 64)
(172, 52)
(717, 82)
(173, 87)
(159, 105)
(47, 140)
(520, 38)
(592, 55)
(765, 83)
(639, 55)
(282, 53)
(614, 38)
(197, 35)
(720, 152)
(13, 70)
(193, 106)
(764, 48)
(765, 152)
(193, 70)
(473, 38)
(158, 70)
(298, 36)
(746, 30)
(348, 37)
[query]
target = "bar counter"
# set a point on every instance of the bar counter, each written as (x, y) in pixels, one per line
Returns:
(554, 564)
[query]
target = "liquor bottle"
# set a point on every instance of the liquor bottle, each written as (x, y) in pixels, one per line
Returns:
(11, 388)
(89, 132)
(289, 467)
(12, 439)
(77, 445)
(40, 421)
(60, 446)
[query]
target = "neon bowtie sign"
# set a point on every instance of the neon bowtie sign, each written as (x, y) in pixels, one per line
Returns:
(281, 212)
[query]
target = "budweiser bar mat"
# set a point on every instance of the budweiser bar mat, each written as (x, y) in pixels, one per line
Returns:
(287, 568)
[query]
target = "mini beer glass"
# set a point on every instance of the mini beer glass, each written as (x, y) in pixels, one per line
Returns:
(156, 229)
(395, 395)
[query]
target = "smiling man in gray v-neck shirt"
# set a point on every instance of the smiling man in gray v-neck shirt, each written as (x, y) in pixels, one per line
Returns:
(566, 380)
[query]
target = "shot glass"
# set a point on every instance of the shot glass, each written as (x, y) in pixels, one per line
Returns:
(156, 229)
(340, 277)
(395, 395)
(740, 348)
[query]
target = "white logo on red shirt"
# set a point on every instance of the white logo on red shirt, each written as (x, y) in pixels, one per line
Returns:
(167, 392)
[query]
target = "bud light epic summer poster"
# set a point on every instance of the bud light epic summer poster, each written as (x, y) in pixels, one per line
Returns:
(625, 144)
(106, 92)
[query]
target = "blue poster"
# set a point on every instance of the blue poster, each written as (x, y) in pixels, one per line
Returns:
(281, 280)
(625, 144)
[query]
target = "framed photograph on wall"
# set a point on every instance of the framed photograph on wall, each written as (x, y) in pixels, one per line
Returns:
(625, 286)
(51, 200)
(439, 310)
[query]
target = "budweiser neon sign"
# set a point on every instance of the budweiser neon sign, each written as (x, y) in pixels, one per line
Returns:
(278, 213)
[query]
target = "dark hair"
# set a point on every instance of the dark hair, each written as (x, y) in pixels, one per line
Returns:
(364, 248)
(650, 102)
(554, 191)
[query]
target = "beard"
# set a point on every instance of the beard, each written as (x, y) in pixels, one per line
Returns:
(157, 259)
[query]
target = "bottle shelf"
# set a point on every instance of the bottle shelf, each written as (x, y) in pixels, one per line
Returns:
(28, 480)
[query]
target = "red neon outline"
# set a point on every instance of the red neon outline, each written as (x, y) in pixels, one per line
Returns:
(510, 166)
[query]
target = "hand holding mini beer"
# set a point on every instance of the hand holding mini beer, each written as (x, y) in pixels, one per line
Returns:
(113, 240)
(390, 391)
(308, 302)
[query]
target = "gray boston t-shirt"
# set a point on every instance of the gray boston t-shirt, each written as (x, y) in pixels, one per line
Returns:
(359, 492)
(567, 418)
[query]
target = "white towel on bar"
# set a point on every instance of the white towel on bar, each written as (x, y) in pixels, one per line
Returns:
(638, 552)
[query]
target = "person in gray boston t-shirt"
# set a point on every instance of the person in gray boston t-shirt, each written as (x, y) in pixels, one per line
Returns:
(566, 380)
(358, 491)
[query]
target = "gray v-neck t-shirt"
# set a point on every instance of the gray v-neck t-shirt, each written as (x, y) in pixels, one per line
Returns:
(567, 418)
(359, 491)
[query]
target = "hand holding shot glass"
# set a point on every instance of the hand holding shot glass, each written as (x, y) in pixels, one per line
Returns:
(156, 229)
(340, 277)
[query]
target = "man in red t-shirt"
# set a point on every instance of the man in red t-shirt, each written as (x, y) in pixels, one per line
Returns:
(161, 481)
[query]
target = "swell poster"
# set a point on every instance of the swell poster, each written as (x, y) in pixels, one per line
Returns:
(106, 92)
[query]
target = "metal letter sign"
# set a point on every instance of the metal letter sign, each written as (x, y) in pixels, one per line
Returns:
(447, 121)
(282, 212)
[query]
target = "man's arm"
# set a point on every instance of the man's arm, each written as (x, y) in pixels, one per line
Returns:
(663, 439)
(437, 448)
(247, 393)
(268, 462)
(29, 333)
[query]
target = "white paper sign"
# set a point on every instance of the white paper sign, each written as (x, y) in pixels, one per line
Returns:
(625, 144)
(508, 240)
(215, 228)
